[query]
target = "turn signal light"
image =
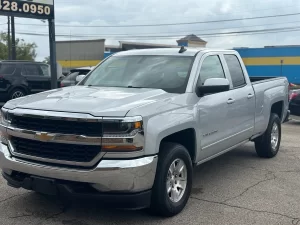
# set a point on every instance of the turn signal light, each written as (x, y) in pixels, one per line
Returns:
(120, 148)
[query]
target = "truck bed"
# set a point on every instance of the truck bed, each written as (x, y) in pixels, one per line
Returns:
(268, 90)
(262, 79)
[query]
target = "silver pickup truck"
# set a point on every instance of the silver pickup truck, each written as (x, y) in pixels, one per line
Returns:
(130, 133)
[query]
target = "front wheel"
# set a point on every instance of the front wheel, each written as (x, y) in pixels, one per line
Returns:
(173, 181)
(267, 146)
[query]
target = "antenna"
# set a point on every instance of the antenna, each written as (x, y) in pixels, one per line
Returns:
(182, 49)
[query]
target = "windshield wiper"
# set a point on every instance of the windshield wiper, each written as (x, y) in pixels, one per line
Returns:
(134, 87)
(130, 86)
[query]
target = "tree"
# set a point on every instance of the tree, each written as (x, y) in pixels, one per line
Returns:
(24, 51)
(47, 60)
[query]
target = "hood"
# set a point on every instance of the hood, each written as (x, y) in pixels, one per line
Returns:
(97, 101)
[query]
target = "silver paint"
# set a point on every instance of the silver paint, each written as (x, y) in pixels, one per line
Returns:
(163, 114)
(110, 175)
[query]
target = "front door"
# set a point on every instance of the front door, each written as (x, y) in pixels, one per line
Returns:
(213, 111)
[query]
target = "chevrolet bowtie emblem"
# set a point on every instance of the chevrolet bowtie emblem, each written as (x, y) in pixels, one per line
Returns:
(44, 136)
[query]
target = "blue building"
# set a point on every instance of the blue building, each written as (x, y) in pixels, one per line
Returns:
(273, 61)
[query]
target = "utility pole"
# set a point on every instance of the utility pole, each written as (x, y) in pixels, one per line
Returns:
(13, 42)
(8, 39)
(52, 45)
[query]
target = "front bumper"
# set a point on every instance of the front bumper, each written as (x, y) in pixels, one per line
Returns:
(79, 191)
(109, 176)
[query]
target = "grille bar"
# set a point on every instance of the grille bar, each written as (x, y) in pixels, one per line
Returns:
(55, 151)
(92, 129)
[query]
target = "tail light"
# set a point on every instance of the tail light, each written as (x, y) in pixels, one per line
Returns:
(293, 95)
(61, 85)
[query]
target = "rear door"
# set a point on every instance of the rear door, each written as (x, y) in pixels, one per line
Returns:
(7, 70)
(37, 77)
(241, 112)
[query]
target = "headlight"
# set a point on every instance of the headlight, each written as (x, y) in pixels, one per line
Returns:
(3, 121)
(4, 117)
(121, 129)
(123, 135)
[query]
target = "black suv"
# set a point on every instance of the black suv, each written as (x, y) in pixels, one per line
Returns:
(20, 78)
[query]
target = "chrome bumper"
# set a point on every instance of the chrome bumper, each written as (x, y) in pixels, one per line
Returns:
(127, 176)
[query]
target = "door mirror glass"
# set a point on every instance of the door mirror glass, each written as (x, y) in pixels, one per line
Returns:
(79, 78)
(213, 85)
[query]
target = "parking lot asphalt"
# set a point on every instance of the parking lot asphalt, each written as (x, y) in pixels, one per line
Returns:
(236, 188)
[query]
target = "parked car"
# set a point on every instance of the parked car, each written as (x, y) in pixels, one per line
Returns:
(131, 132)
(82, 70)
(295, 102)
(70, 79)
(20, 78)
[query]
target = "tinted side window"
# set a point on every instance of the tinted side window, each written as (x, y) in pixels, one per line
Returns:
(7, 68)
(31, 70)
(211, 68)
(235, 69)
(46, 70)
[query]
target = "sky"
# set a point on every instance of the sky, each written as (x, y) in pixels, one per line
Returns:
(81, 17)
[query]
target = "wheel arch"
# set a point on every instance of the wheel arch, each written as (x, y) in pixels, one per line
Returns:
(186, 138)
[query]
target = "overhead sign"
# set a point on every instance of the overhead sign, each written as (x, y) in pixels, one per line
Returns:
(37, 9)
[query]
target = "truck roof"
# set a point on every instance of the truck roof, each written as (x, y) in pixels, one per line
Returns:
(168, 51)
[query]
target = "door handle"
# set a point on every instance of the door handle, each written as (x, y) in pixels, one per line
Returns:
(250, 96)
(230, 101)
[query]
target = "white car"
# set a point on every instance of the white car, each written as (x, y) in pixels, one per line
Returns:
(71, 78)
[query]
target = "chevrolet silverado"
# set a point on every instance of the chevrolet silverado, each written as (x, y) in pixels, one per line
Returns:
(132, 130)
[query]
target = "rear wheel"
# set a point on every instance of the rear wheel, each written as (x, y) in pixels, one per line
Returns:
(17, 93)
(267, 146)
(173, 182)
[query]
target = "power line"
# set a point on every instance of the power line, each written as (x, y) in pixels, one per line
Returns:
(170, 24)
(220, 34)
(180, 32)
(185, 32)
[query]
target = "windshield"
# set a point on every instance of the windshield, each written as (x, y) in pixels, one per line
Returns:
(170, 73)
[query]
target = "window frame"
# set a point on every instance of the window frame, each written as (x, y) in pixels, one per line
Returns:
(243, 73)
(201, 63)
(48, 68)
(15, 68)
(32, 64)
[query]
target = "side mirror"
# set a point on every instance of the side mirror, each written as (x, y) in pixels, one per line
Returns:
(79, 78)
(213, 85)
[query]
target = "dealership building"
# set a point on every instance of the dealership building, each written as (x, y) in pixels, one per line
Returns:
(88, 53)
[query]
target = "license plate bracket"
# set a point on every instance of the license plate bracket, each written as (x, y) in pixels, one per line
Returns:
(44, 185)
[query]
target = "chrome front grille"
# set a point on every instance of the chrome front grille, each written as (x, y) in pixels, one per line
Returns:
(71, 139)
(55, 151)
(58, 125)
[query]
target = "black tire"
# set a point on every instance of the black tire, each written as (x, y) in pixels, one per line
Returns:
(263, 144)
(16, 91)
(161, 203)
